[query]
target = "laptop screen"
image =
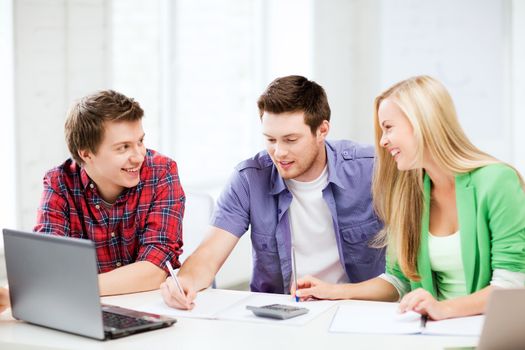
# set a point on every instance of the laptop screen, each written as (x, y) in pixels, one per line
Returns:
(53, 282)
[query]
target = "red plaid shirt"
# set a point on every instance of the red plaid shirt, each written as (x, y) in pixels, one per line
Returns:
(144, 224)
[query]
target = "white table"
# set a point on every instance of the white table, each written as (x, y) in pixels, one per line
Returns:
(217, 334)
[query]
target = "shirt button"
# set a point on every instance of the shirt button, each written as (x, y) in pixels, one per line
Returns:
(279, 211)
(91, 186)
(112, 234)
(119, 264)
(97, 206)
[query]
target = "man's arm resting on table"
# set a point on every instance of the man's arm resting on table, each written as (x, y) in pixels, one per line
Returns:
(139, 276)
(373, 289)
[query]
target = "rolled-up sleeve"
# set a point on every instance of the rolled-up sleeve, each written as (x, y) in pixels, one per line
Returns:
(232, 212)
(395, 276)
(506, 213)
(161, 240)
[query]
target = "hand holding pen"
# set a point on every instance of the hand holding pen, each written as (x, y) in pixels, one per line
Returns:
(311, 288)
(175, 293)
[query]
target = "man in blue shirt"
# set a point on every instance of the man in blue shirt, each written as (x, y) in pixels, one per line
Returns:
(302, 192)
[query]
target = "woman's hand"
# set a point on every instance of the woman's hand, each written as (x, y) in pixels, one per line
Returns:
(423, 302)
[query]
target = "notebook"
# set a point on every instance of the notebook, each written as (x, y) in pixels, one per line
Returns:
(53, 282)
(383, 318)
(502, 326)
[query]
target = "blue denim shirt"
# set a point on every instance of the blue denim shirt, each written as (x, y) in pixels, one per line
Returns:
(257, 196)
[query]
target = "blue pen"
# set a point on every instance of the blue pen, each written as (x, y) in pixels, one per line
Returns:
(294, 272)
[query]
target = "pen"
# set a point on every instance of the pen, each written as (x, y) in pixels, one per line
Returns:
(294, 272)
(424, 319)
(172, 273)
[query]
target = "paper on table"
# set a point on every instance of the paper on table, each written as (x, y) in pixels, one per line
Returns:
(239, 312)
(374, 317)
(467, 326)
(383, 318)
(208, 304)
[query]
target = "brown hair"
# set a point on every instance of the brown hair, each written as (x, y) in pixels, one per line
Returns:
(296, 93)
(84, 128)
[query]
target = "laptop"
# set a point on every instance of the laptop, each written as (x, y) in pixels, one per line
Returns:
(504, 319)
(53, 282)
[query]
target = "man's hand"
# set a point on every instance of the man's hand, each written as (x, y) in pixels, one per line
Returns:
(174, 298)
(310, 287)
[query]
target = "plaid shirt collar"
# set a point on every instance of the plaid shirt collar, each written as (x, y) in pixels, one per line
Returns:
(89, 186)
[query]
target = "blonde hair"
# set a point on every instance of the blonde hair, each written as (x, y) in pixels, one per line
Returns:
(398, 195)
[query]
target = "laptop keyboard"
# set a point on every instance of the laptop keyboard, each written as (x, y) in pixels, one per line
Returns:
(121, 321)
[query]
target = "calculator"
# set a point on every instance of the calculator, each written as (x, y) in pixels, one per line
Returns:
(278, 311)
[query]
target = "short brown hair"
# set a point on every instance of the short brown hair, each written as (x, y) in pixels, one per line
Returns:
(84, 128)
(296, 93)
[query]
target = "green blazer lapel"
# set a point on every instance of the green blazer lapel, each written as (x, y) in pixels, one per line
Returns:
(423, 259)
(466, 206)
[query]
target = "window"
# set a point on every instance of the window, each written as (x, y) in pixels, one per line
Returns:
(8, 215)
(194, 66)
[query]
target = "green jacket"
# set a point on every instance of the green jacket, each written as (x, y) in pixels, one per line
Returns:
(491, 214)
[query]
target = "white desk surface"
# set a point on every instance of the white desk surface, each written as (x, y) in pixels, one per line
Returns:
(217, 334)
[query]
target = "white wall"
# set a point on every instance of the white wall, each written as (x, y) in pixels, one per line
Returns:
(59, 56)
(468, 53)
(517, 73)
(7, 131)
(347, 57)
(134, 56)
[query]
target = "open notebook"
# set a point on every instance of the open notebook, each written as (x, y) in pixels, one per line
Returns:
(383, 318)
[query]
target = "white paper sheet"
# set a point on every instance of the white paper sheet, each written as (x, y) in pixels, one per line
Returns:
(239, 312)
(467, 326)
(231, 305)
(383, 318)
(208, 304)
(377, 318)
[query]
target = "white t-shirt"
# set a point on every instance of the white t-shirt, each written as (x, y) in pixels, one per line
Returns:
(313, 236)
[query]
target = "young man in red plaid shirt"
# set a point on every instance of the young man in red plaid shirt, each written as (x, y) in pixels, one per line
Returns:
(115, 192)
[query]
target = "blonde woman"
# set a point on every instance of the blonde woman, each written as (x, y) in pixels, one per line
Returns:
(454, 216)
